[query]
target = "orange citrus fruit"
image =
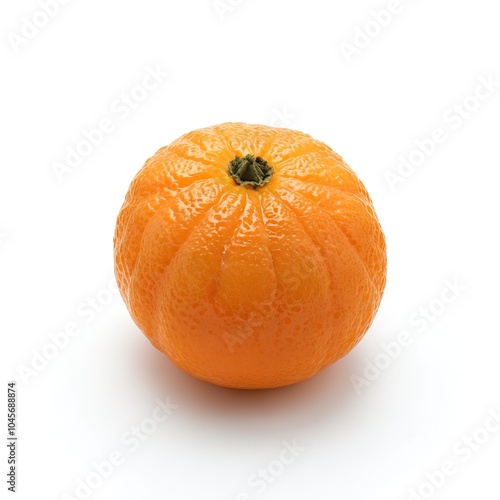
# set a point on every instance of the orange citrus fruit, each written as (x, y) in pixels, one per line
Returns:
(250, 255)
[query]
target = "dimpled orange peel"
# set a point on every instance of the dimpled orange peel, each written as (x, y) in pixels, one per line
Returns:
(250, 255)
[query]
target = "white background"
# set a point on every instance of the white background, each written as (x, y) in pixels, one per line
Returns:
(277, 62)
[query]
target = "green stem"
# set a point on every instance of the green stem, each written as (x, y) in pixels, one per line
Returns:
(250, 170)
